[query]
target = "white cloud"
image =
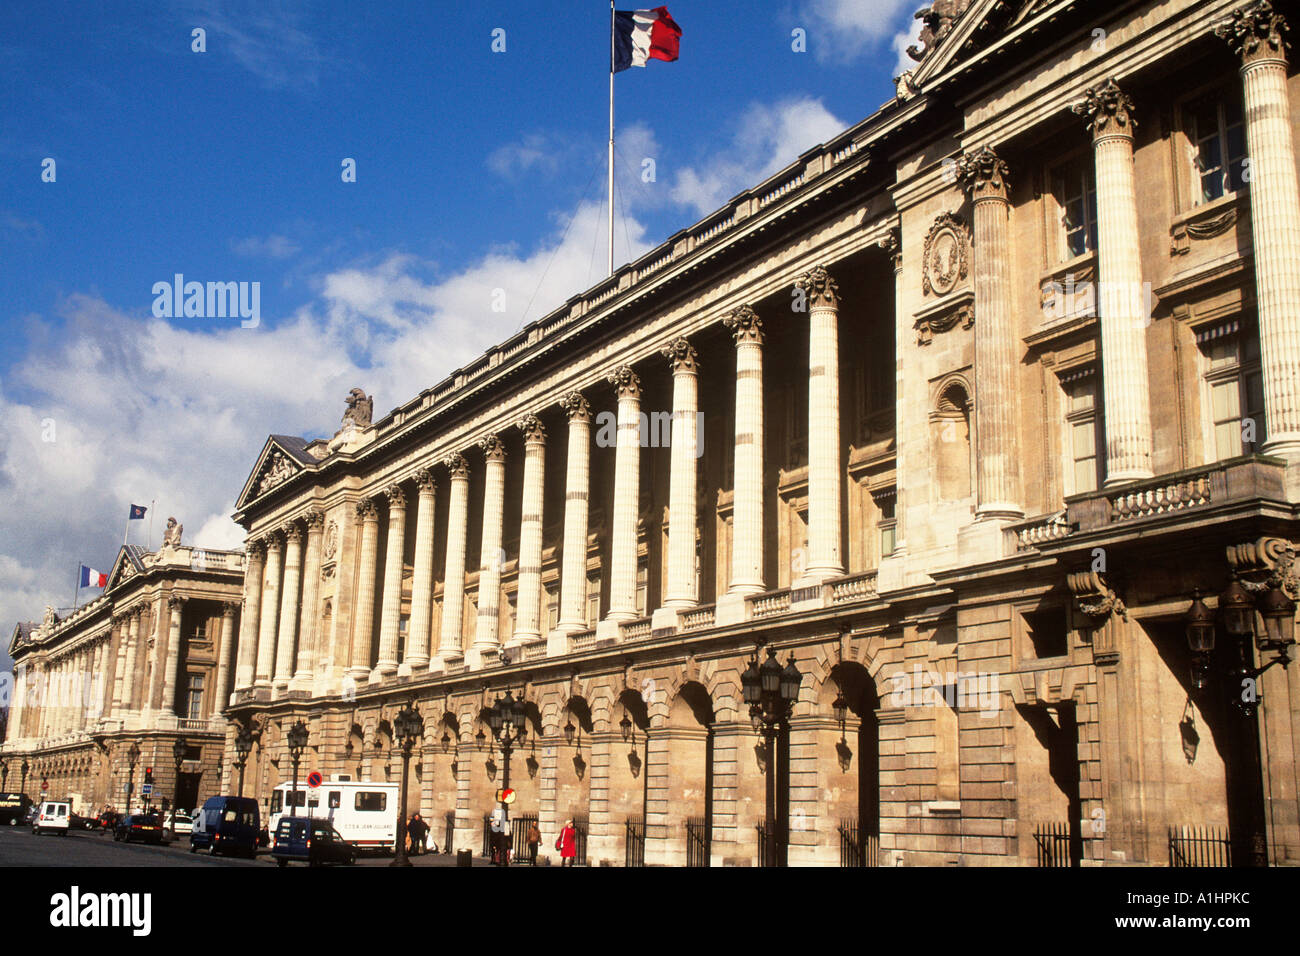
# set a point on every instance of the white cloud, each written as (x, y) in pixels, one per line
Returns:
(265, 37)
(273, 246)
(902, 40)
(144, 410)
(767, 139)
(533, 152)
(844, 30)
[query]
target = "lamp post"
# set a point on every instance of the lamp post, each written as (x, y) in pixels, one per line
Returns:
(408, 725)
(243, 747)
(132, 756)
(297, 740)
(508, 719)
(24, 768)
(771, 691)
(4, 773)
(178, 754)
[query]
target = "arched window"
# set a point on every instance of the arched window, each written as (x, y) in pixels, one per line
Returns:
(951, 440)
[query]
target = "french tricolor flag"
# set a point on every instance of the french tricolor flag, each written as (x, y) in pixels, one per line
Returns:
(90, 578)
(642, 35)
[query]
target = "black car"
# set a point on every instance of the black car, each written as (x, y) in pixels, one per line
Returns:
(14, 808)
(139, 827)
(314, 842)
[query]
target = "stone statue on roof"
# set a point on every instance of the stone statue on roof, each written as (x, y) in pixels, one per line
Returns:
(360, 409)
(172, 536)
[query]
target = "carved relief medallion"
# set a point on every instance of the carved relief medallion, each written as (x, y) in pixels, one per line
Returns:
(947, 255)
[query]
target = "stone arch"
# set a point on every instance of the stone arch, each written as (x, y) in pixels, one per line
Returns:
(686, 744)
(850, 755)
(952, 437)
(573, 762)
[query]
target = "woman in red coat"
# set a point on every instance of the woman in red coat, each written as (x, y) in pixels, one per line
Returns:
(567, 844)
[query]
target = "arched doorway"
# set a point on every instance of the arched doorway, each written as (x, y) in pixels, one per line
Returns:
(686, 836)
(572, 775)
(851, 756)
(628, 793)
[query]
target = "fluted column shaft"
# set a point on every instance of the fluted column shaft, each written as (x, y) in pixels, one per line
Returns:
(1125, 389)
(577, 479)
(824, 477)
(486, 638)
(682, 590)
(627, 496)
(248, 624)
(418, 628)
(747, 503)
(528, 615)
(1256, 33)
(266, 632)
(224, 650)
(119, 668)
(309, 624)
(288, 631)
(175, 607)
(363, 620)
(453, 587)
(997, 473)
(391, 604)
(129, 680)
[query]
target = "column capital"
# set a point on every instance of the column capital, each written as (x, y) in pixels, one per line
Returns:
(626, 382)
(744, 325)
(493, 448)
(1255, 32)
(893, 246)
(424, 480)
(292, 533)
(1108, 109)
(533, 429)
(176, 601)
(396, 496)
(681, 356)
(228, 608)
(366, 510)
(271, 541)
(255, 548)
(577, 408)
(315, 521)
(457, 465)
(821, 289)
(985, 175)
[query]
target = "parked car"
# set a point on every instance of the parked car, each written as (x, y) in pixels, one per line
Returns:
(14, 808)
(311, 841)
(139, 827)
(226, 825)
(53, 817)
(178, 821)
(32, 813)
(78, 822)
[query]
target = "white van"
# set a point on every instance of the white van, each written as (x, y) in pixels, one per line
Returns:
(52, 818)
(364, 813)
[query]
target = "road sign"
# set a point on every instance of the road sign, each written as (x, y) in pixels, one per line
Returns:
(146, 790)
(506, 796)
(314, 779)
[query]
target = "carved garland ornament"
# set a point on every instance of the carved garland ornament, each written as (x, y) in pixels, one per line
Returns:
(1093, 597)
(947, 255)
(1266, 563)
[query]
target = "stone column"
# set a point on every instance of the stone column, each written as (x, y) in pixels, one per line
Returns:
(288, 634)
(893, 246)
(224, 650)
(157, 656)
(747, 508)
(248, 624)
(416, 655)
(997, 481)
(486, 638)
(824, 474)
(391, 602)
(129, 678)
(682, 590)
(363, 608)
(528, 614)
(627, 497)
(1256, 35)
(577, 479)
(121, 627)
(1125, 389)
(175, 607)
(270, 606)
(309, 624)
(453, 586)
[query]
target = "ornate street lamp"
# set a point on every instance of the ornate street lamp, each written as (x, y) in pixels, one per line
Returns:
(569, 731)
(1238, 608)
(24, 768)
(179, 749)
(1278, 612)
(508, 719)
(4, 773)
(297, 740)
(771, 690)
(446, 741)
(1200, 639)
(408, 726)
(132, 757)
(243, 747)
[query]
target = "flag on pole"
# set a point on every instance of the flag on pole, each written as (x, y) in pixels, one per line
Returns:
(90, 578)
(643, 35)
(137, 513)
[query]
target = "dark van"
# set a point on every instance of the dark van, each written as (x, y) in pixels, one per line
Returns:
(226, 825)
(13, 808)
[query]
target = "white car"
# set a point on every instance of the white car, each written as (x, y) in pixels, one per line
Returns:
(180, 822)
(52, 818)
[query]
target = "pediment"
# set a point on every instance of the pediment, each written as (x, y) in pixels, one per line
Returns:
(128, 564)
(281, 460)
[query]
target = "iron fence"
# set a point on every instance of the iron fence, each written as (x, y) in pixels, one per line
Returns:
(697, 842)
(1053, 842)
(487, 836)
(580, 827)
(449, 820)
(764, 834)
(856, 847)
(1199, 846)
(519, 831)
(634, 843)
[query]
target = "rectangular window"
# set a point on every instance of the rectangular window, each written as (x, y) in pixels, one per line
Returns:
(1216, 133)
(886, 522)
(553, 607)
(1235, 392)
(194, 696)
(642, 584)
(372, 801)
(1083, 460)
(593, 601)
(335, 799)
(1075, 192)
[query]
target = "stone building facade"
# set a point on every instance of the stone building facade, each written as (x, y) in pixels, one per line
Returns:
(144, 665)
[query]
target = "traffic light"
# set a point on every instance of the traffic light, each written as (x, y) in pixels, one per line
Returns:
(148, 775)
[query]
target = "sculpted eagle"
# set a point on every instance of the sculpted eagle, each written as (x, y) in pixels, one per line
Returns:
(360, 408)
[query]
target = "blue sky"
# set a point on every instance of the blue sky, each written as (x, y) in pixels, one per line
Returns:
(476, 171)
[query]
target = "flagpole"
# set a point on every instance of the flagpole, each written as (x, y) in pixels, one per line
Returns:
(611, 138)
(149, 543)
(76, 594)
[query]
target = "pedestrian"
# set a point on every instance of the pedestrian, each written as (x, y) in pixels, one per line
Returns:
(500, 826)
(419, 833)
(534, 841)
(567, 844)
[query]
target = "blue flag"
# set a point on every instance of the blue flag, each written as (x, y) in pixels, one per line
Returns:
(137, 512)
